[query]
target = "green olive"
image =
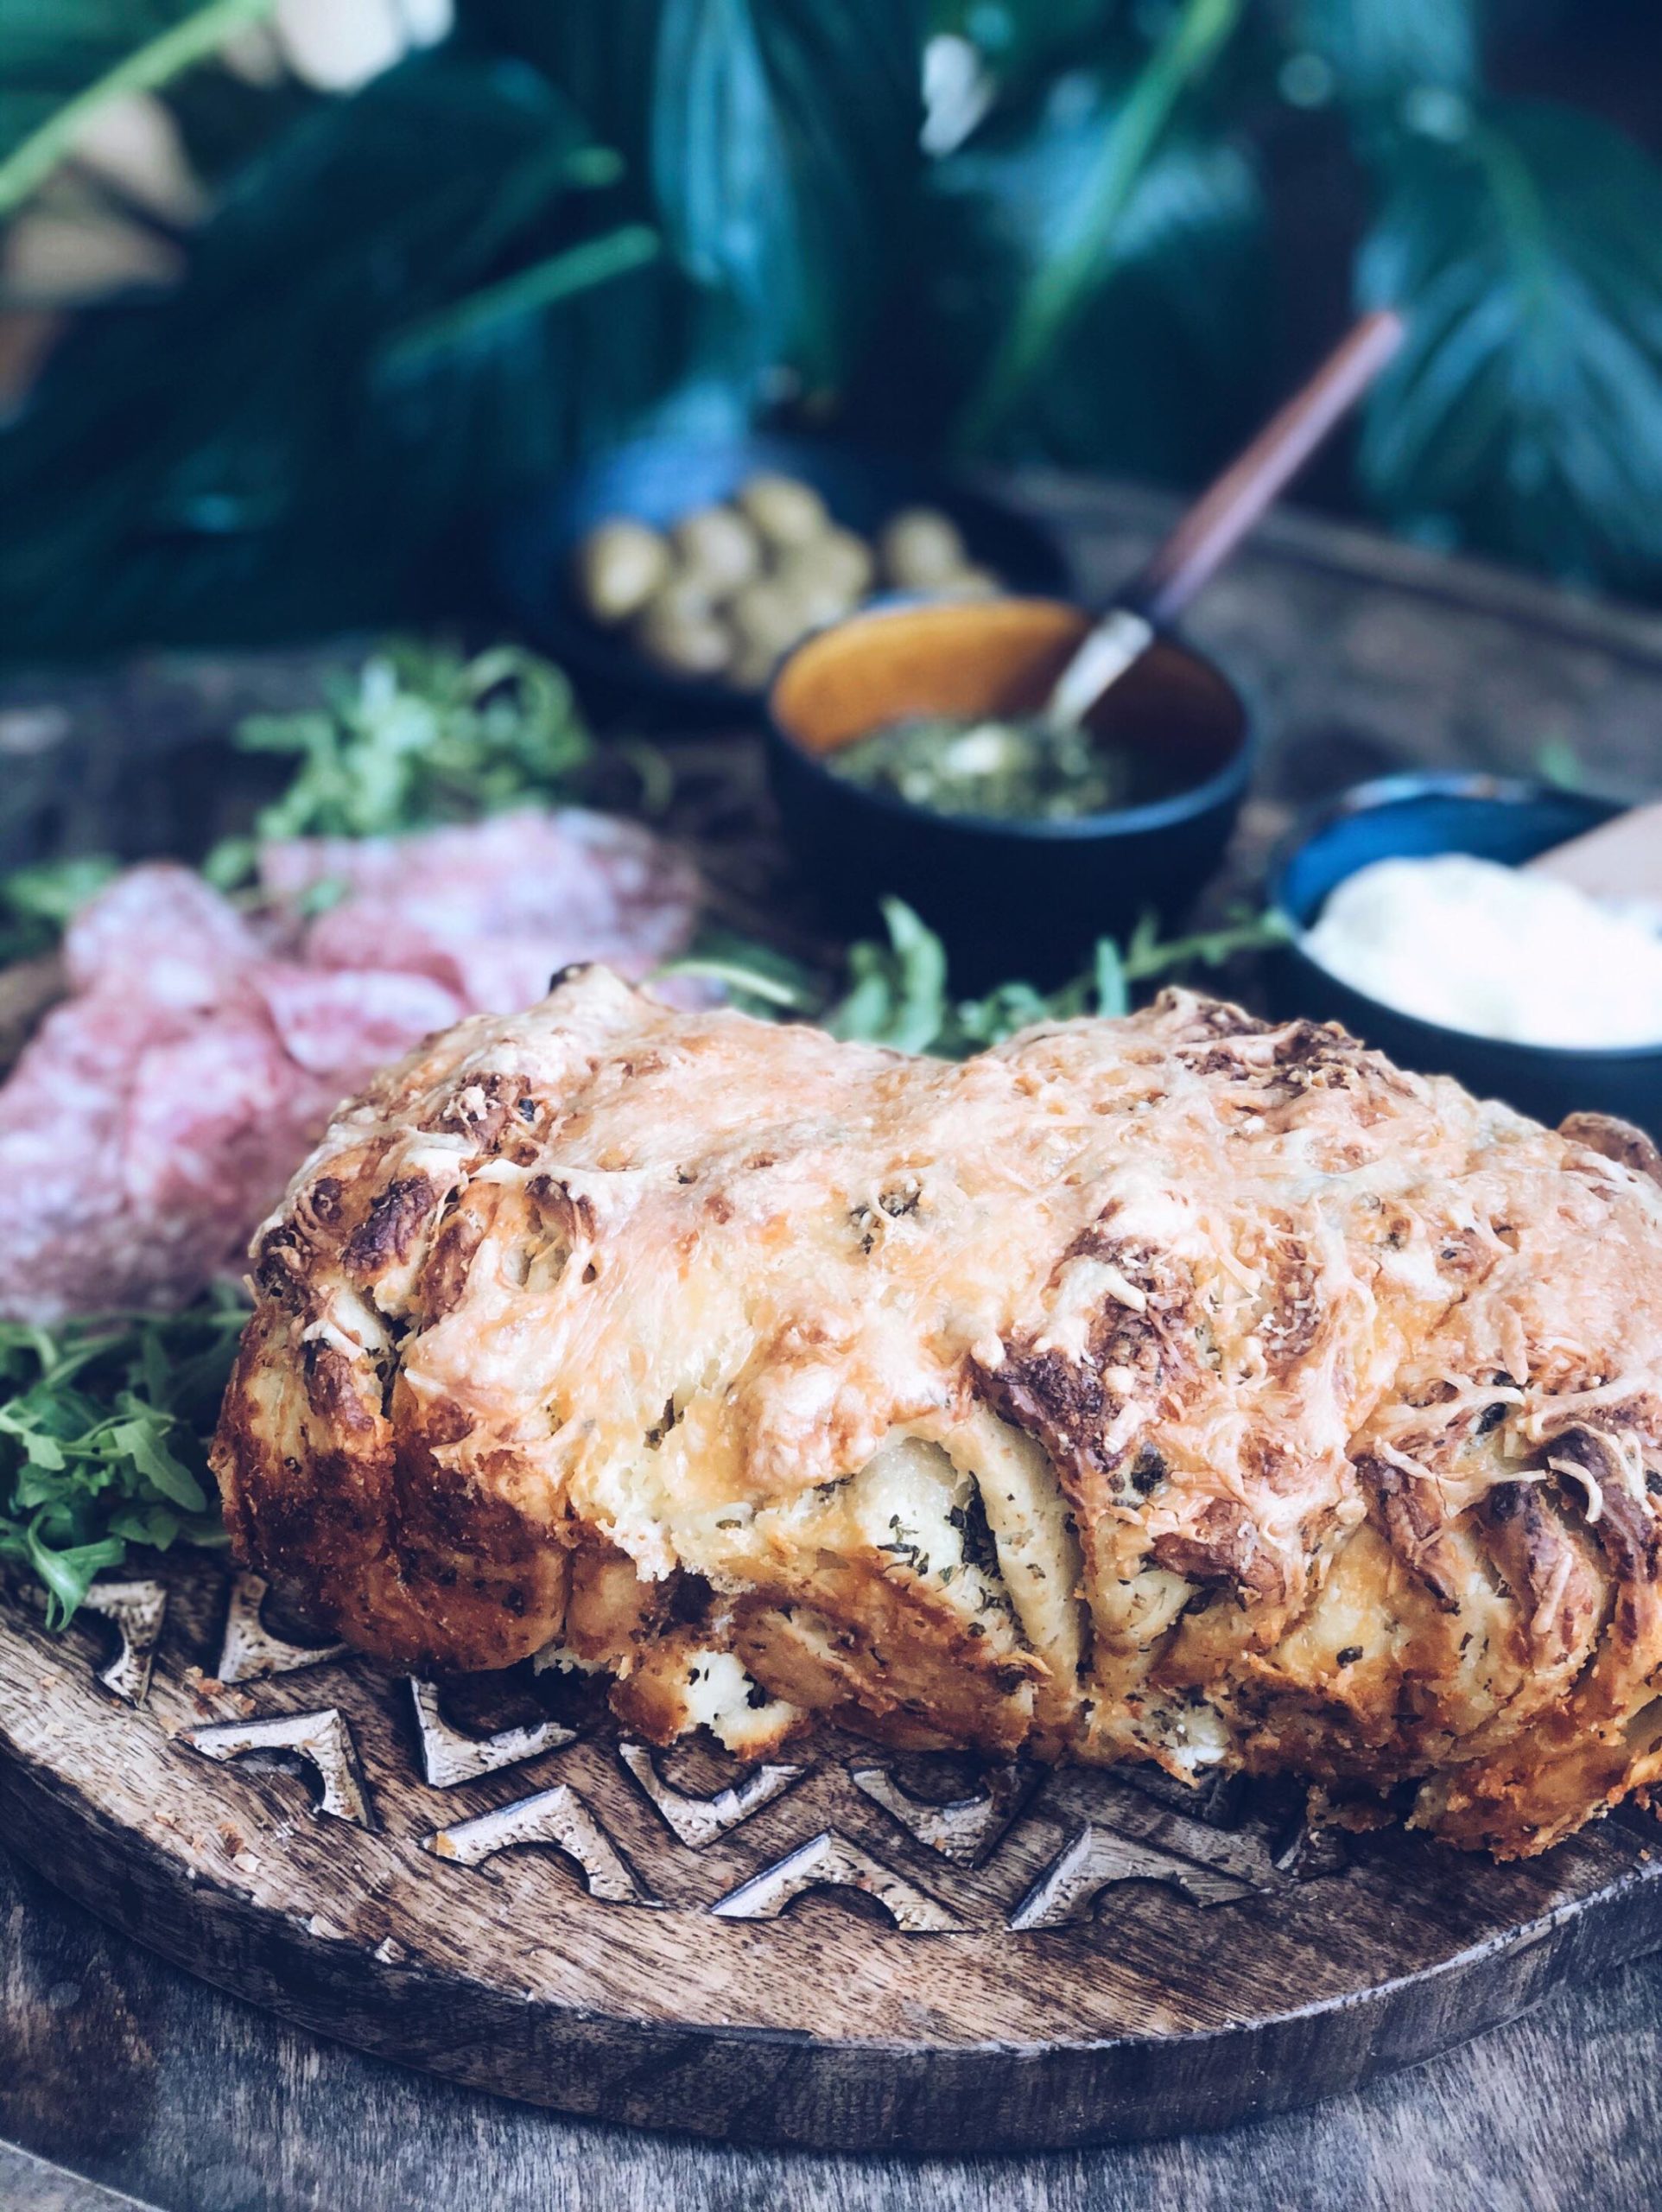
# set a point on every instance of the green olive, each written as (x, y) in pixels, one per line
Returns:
(682, 599)
(769, 618)
(839, 563)
(819, 590)
(619, 566)
(969, 583)
(920, 548)
(786, 511)
(718, 550)
(679, 631)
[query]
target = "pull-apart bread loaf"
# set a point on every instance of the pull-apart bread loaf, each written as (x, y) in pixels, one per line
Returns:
(1178, 1389)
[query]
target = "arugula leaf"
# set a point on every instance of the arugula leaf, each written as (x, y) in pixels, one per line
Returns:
(755, 977)
(104, 1430)
(899, 993)
(420, 736)
(1524, 413)
(896, 994)
(1105, 987)
(38, 901)
(141, 1440)
(67, 1574)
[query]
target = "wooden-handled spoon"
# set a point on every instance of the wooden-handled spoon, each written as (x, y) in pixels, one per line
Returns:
(1221, 517)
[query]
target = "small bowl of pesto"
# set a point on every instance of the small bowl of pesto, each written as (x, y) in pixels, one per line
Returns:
(907, 756)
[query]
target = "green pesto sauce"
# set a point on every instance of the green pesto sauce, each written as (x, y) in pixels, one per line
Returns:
(1019, 771)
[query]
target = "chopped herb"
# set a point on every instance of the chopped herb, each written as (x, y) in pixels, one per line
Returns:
(1148, 1470)
(1020, 769)
(980, 1550)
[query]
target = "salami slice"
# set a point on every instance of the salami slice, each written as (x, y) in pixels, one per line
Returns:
(165, 929)
(345, 1023)
(155, 1116)
(492, 910)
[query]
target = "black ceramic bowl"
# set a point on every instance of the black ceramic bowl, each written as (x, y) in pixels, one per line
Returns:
(1011, 898)
(1497, 820)
(656, 481)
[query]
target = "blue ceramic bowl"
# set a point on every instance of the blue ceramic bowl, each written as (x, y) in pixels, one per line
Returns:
(657, 480)
(1497, 820)
(1011, 899)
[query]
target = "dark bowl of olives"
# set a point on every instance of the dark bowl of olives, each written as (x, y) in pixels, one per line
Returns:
(970, 820)
(676, 575)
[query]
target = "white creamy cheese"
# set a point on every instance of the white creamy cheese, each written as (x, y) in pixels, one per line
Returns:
(1495, 953)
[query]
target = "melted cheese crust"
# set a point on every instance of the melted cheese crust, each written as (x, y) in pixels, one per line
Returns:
(1176, 1388)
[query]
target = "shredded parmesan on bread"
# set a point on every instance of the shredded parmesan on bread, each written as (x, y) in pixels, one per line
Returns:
(1179, 1387)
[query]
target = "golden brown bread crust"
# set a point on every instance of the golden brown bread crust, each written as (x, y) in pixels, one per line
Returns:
(1176, 1388)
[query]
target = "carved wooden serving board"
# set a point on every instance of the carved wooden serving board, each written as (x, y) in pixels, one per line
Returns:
(843, 1949)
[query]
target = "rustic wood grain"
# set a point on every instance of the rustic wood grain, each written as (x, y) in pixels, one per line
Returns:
(1124, 1959)
(126, 2068)
(32, 2185)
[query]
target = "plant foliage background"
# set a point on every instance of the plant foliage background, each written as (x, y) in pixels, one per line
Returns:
(1098, 231)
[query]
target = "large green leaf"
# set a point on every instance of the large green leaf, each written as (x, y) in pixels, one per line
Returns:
(1152, 373)
(225, 119)
(785, 155)
(603, 56)
(60, 59)
(383, 325)
(1379, 50)
(600, 53)
(1524, 414)
(1087, 239)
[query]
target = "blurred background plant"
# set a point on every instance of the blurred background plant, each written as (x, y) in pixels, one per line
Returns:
(293, 293)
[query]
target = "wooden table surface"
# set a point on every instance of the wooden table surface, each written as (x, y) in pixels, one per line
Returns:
(127, 2070)
(1359, 655)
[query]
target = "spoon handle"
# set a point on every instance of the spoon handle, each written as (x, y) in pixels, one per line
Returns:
(1221, 517)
